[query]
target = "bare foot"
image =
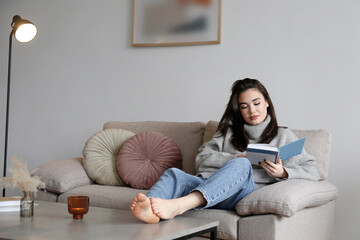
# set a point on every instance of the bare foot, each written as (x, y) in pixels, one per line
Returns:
(141, 208)
(166, 208)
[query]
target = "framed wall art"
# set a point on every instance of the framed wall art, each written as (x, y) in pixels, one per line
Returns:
(175, 22)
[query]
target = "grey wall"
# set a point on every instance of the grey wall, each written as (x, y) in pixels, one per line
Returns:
(81, 71)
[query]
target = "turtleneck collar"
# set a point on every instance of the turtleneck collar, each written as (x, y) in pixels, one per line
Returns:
(254, 131)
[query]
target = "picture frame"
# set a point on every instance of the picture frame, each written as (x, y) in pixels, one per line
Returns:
(176, 22)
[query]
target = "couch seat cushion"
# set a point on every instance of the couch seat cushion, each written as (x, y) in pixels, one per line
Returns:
(118, 197)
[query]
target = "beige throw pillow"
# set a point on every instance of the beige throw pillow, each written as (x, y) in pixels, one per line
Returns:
(100, 154)
(62, 175)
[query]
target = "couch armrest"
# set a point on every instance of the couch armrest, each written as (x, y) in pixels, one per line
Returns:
(287, 197)
(62, 175)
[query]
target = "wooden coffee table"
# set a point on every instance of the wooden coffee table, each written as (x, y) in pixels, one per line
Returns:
(52, 221)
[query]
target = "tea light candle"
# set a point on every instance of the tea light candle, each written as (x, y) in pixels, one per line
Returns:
(78, 206)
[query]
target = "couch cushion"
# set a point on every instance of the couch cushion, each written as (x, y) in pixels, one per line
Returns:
(287, 197)
(43, 195)
(187, 135)
(317, 144)
(62, 175)
(100, 154)
(210, 130)
(104, 196)
(145, 157)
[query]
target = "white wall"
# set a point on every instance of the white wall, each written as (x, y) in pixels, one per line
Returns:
(81, 71)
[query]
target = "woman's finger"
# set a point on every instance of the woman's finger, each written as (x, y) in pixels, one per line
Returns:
(270, 164)
(267, 168)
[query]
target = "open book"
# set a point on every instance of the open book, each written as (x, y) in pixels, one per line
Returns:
(257, 152)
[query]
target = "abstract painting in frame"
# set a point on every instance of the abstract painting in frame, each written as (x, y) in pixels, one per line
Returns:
(176, 22)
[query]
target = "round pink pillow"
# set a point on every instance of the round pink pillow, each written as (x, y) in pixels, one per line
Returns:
(145, 157)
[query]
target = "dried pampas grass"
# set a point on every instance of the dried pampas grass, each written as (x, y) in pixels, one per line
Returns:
(20, 177)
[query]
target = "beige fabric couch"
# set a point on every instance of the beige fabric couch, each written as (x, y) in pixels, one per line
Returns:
(293, 209)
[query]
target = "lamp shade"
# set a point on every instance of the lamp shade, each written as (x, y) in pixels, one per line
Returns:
(23, 30)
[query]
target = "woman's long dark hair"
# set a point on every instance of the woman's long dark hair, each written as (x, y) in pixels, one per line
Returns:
(233, 119)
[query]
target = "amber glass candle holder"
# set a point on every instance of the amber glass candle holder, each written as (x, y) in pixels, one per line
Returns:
(78, 206)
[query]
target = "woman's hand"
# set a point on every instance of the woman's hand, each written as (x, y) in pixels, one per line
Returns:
(274, 170)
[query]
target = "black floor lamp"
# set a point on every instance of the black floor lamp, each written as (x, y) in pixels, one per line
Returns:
(24, 31)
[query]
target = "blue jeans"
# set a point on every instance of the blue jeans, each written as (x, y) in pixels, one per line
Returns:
(228, 185)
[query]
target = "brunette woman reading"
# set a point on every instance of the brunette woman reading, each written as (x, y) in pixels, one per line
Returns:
(225, 175)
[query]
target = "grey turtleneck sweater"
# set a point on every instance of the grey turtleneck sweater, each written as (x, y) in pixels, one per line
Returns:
(215, 153)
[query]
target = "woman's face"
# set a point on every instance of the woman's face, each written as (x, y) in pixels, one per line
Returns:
(253, 106)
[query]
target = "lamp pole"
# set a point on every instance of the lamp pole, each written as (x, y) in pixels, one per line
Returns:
(24, 31)
(7, 109)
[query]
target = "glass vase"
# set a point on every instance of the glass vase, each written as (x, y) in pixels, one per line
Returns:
(27, 205)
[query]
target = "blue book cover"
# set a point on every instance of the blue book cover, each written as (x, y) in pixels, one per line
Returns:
(291, 149)
(259, 152)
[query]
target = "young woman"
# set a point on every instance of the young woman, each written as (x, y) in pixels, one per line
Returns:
(225, 175)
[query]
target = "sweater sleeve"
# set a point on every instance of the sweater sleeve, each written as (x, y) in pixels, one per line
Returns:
(302, 166)
(211, 156)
